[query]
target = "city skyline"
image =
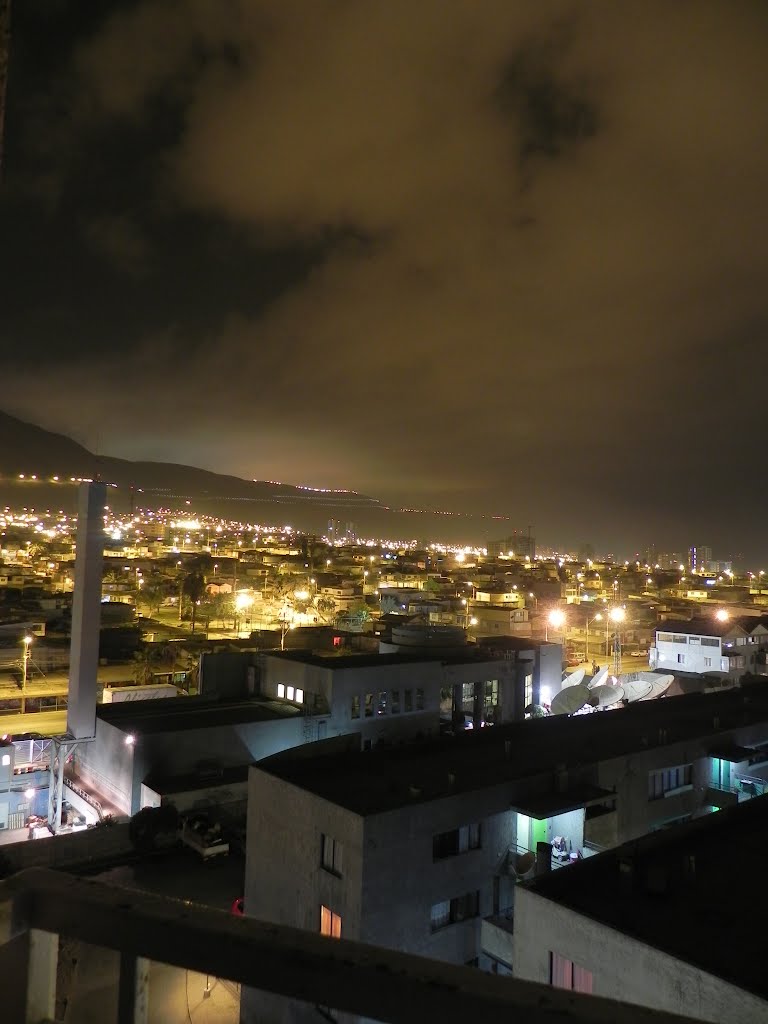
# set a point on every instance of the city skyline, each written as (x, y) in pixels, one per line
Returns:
(497, 265)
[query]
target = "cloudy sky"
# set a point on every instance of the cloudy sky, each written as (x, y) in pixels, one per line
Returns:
(482, 256)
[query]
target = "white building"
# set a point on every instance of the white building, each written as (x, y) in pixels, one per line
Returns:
(705, 645)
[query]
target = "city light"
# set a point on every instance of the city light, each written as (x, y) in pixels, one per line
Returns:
(722, 615)
(556, 618)
(617, 614)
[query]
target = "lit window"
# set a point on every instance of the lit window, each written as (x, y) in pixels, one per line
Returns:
(564, 973)
(6, 759)
(299, 696)
(330, 923)
(281, 689)
(289, 692)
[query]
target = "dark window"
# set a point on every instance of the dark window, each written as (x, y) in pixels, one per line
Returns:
(332, 854)
(395, 702)
(419, 700)
(369, 705)
(355, 707)
(458, 840)
(668, 779)
(408, 704)
(461, 908)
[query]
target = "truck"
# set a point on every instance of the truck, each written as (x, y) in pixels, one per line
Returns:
(118, 694)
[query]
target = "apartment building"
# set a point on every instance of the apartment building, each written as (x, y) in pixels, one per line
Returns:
(420, 848)
(670, 922)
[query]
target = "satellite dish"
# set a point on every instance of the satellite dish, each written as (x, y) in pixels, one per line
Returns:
(659, 686)
(607, 695)
(598, 678)
(637, 689)
(570, 700)
(574, 678)
(524, 863)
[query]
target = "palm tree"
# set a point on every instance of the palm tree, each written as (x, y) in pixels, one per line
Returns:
(193, 588)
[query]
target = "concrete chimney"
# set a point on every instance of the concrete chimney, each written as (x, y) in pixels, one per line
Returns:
(86, 612)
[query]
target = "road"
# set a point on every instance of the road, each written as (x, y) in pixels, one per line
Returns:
(47, 723)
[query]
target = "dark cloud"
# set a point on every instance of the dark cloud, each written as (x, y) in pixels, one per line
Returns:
(513, 252)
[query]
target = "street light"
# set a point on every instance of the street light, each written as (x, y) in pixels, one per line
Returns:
(617, 616)
(556, 619)
(595, 618)
(722, 615)
(27, 642)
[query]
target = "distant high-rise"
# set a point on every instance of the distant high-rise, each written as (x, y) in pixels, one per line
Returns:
(699, 558)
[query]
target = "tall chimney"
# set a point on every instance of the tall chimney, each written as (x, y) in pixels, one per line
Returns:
(86, 612)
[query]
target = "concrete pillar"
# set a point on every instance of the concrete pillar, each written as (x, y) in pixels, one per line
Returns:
(133, 990)
(86, 612)
(59, 787)
(41, 976)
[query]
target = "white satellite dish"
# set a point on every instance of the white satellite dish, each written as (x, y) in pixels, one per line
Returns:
(659, 686)
(570, 700)
(599, 678)
(636, 689)
(574, 678)
(607, 695)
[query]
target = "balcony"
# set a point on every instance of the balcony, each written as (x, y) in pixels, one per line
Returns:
(39, 907)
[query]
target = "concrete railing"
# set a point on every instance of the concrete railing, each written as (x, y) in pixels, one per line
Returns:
(38, 906)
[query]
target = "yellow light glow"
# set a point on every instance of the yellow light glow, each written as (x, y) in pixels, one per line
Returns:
(556, 618)
(722, 615)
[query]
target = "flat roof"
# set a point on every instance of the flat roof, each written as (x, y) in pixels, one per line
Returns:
(176, 714)
(167, 784)
(462, 656)
(383, 779)
(693, 891)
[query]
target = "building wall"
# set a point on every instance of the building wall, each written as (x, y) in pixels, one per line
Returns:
(622, 967)
(107, 764)
(117, 770)
(695, 656)
(284, 878)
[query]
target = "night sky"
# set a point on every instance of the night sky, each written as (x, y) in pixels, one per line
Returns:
(481, 256)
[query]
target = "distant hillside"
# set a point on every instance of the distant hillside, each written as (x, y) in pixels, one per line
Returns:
(28, 449)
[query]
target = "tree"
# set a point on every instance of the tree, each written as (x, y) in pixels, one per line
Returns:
(193, 588)
(151, 595)
(326, 608)
(151, 658)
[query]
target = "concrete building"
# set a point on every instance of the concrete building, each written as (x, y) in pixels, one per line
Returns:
(142, 748)
(707, 646)
(419, 847)
(668, 922)
(265, 703)
(392, 697)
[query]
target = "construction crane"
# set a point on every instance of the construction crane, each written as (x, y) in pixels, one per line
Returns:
(5, 49)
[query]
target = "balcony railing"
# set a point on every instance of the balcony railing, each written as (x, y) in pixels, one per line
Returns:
(37, 906)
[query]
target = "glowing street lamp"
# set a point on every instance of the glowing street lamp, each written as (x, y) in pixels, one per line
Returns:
(595, 618)
(27, 643)
(556, 619)
(722, 615)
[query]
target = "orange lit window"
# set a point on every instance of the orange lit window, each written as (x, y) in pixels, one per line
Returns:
(330, 923)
